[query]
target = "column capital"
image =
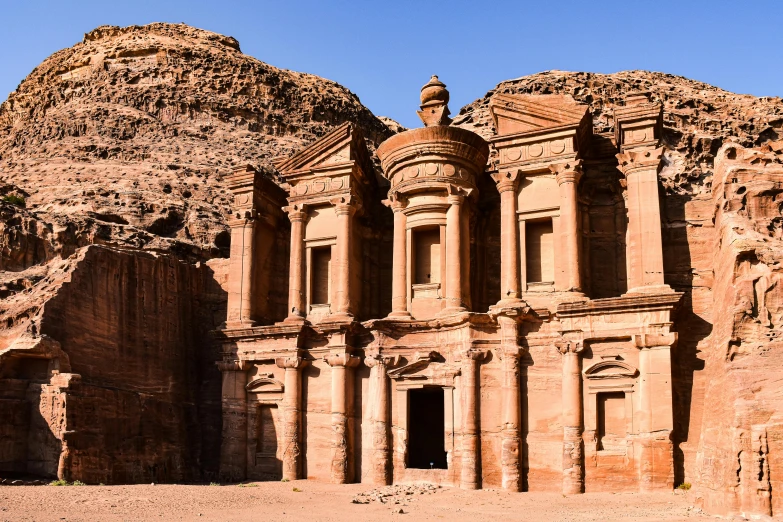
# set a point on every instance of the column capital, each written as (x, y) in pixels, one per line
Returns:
(232, 366)
(633, 161)
(291, 363)
(397, 202)
(296, 212)
(344, 360)
(242, 217)
(511, 352)
(566, 346)
(345, 205)
(649, 340)
(568, 172)
(474, 354)
(455, 199)
(506, 180)
(381, 361)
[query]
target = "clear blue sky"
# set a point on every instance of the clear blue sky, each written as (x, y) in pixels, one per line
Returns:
(385, 51)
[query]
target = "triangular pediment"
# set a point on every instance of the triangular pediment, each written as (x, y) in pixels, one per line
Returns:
(342, 146)
(523, 113)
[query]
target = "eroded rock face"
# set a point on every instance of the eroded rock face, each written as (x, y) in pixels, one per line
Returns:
(698, 118)
(739, 447)
(123, 141)
(127, 135)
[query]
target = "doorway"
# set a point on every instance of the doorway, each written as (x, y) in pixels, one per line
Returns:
(426, 429)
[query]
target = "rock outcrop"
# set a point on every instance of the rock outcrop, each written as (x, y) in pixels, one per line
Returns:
(123, 141)
(113, 228)
(124, 137)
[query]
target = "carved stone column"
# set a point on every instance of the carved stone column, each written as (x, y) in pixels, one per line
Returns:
(511, 421)
(233, 450)
(399, 260)
(240, 274)
(573, 446)
(645, 248)
(454, 254)
(509, 237)
(292, 415)
(345, 209)
(296, 284)
(568, 175)
(341, 364)
(379, 416)
(471, 429)
(656, 452)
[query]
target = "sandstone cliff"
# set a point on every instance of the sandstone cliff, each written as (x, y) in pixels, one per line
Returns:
(122, 140)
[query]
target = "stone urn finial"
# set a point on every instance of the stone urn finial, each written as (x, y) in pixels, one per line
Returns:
(434, 103)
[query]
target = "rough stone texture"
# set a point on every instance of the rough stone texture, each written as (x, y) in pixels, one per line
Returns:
(738, 461)
(124, 140)
(125, 137)
(127, 140)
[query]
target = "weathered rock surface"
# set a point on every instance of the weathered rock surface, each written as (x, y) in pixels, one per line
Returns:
(698, 118)
(123, 140)
(124, 137)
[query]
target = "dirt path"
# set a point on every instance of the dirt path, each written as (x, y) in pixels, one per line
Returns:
(307, 500)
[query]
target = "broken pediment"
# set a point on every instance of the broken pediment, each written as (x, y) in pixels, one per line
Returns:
(523, 113)
(421, 368)
(421, 360)
(611, 369)
(344, 146)
(265, 383)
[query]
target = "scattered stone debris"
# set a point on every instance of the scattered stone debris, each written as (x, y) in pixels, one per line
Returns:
(397, 494)
(18, 482)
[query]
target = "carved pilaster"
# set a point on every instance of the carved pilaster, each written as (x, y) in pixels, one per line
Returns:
(470, 361)
(637, 128)
(292, 414)
(510, 453)
(345, 207)
(573, 445)
(655, 416)
(233, 449)
(568, 175)
(399, 258)
(341, 364)
(379, 416)
(454, 254)
(297, 214)
(506, 182)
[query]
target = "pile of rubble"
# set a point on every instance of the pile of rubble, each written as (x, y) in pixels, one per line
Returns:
(400, 494)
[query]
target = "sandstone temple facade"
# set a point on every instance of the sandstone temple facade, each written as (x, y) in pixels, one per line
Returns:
(401, 344)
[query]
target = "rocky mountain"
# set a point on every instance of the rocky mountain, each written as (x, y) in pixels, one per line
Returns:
(113, 238)
(124, 137)
(698, 118)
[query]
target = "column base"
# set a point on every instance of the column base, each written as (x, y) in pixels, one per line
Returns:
(294, 319)
(451, 310)
(649, 290)
(511, 302)
(237, 325)
(339, 317)
(400, 316)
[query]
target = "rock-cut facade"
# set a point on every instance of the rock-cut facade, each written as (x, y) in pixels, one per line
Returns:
(395, 360)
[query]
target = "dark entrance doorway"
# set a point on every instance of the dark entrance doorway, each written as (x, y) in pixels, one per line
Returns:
(426, 429)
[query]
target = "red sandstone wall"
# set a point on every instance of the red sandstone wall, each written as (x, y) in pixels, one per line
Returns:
(135, 327)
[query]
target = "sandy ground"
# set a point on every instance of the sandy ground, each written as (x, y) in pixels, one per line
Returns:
(307, 500)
